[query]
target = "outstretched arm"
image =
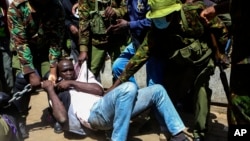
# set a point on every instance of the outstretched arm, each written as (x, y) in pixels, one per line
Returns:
(135, 63)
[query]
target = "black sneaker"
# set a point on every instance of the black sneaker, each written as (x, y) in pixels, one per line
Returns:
(58, 128)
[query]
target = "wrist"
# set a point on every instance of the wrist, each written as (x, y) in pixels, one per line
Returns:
(128, 24)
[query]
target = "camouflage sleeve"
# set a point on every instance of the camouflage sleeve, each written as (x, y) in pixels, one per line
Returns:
(84, 20)
(57, 34)
(120, 8)
(136, 62)
(220, 31)
(18, 39)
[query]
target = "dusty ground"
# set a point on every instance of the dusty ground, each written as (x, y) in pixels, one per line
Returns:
(40, 128)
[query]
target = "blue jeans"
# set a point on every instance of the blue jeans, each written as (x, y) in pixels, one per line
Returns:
(117, 107)
(121, 62)
(154, 67)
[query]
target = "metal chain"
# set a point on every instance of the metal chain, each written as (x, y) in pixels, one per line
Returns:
(18, 95)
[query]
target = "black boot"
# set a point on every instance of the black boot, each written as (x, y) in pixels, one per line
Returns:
(179, 137)
(22, 104)
(22, 127)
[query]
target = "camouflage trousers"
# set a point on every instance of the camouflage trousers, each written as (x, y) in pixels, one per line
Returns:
(239, 102)
(98, 53)
(189, 86)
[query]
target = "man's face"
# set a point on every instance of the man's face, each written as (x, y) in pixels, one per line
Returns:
(66, 70)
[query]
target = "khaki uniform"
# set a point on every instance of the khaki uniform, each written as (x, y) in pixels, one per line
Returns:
(98, 45)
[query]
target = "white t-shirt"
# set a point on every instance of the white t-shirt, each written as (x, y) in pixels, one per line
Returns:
(81, 102)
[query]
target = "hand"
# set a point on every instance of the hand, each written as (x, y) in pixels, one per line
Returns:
(52, 75)
(63, 85)
(208, 13)
(109, 13)
(119, 27)
(74, 7)
(74, 30)
(35, 80)
(223, 59)
(83, 56)
(47, 85)
(52, 78)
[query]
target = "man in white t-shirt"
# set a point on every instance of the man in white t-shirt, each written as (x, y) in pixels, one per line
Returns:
(84, 104)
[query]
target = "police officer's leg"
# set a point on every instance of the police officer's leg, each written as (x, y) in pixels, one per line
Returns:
(202, 112)
(202, 95)
(8, 72)
(114, 52)
(22, 104)
(98, 55)
(6, 76)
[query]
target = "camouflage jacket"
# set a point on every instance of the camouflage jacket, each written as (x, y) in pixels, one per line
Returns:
(163, 43)
(41, 30)
(84, 9)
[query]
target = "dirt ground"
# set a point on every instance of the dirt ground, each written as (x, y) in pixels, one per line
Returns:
(141, 129)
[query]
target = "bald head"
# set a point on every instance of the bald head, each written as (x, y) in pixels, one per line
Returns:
(66, 70)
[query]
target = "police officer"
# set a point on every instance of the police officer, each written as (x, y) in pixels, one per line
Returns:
(37, 30)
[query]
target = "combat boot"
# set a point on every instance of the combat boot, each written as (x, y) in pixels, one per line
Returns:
(22, 127)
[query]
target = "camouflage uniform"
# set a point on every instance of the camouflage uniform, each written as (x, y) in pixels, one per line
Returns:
(99, 46)
(190, 73)
(41, 35)
(36, 39)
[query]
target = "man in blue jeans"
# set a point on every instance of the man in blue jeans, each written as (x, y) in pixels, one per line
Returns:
(84, 104)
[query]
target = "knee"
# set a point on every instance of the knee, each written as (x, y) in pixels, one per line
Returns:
(129, 88)
(20, 82)
(159, 88)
